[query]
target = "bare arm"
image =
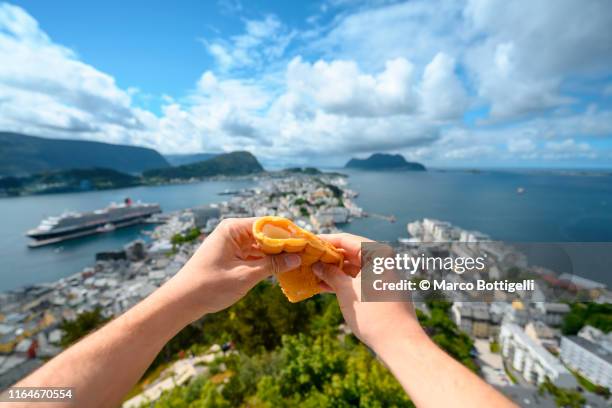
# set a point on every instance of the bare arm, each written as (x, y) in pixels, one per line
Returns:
(430, 376)
(105, 365)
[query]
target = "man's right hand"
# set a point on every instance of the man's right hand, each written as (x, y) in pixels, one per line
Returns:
(374, 323)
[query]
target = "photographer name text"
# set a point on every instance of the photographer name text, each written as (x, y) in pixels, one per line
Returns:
(447, 285)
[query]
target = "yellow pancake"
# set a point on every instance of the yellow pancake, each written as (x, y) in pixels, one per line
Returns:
(276, 235)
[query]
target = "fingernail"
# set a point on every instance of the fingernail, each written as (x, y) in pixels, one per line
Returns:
(292, 260)
(317, 269)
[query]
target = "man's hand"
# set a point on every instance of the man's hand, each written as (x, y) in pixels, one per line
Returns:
(227, 265)
(391, 329)
(105, 365)
(374, 323)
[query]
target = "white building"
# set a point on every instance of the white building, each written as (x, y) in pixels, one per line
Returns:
(333, 215)
(473, 236)
(594, 335)
(581, 282)
(532, 360)
(542, 334)
(589, 359)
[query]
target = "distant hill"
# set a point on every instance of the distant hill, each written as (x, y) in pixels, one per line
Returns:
(22, 155)
(63, 181)
(383, 161)
(227, 164)
(182, 159)
(304, 170)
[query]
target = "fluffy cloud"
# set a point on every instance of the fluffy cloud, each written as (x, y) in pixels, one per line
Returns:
(340, 87)
(416, 30)
(46, 89)
(443, 94)
(263, 41)
(525, 50)
(522, 145)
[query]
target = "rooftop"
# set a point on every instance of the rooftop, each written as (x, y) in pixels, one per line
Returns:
(545, 357)
(591, 347)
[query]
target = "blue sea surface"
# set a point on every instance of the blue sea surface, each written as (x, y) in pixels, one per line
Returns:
(553, 207)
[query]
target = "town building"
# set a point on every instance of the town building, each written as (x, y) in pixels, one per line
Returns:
(473, 318)
(532, 360)
(551, 313)
(542, 334)
(589, 359)
(332, 216)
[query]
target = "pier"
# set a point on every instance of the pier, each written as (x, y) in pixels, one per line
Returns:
(389, 218)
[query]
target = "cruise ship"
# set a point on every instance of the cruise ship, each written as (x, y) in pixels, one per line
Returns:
(75, 225)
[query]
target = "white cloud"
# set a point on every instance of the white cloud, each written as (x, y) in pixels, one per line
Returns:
(263, 41)
(567, 146)
(567, 149)
(443, 94)
(416, 30)
(522, 145)
(340, 87)
(46, 89)
(524, 50)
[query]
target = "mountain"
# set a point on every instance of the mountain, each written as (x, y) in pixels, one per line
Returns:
(182, 159)
(22, 155)
(383, 161)
(63, 181)
(227, 164)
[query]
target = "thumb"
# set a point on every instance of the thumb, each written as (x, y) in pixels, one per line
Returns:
(332, 275)
(283, 263)
(272, 265)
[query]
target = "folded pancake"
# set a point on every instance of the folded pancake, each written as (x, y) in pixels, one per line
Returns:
(276, 235)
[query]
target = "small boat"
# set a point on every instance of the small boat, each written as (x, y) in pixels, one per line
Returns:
(520, 190)
(229, 192)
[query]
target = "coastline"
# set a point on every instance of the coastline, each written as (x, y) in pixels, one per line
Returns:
(85, 186)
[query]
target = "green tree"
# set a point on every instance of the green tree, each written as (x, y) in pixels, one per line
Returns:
(189, 236)
(563, 397)
(325, 372)
(261, 318)
(84, 324)
(445, 333)
(592, 314)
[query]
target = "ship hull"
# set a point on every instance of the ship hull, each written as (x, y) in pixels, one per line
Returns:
(52, 237)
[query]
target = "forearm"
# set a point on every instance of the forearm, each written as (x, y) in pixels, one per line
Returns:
(432, 378)
(104, 366)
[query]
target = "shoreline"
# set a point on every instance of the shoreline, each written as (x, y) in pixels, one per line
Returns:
(40, 189)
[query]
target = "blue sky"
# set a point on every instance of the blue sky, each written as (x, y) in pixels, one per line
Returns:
(467, 84)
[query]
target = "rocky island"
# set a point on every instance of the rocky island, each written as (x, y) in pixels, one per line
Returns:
(383, 161)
